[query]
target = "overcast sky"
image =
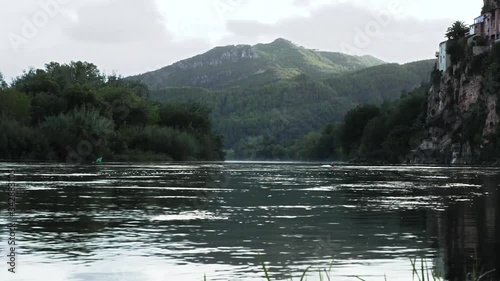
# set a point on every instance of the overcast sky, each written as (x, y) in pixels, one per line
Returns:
(135, 36)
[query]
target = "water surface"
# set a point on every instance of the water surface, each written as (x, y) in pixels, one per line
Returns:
(180, 221)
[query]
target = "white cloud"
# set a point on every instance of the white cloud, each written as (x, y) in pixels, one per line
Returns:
(132, 36)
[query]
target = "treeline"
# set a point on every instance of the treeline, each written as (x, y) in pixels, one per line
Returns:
(368, 133)
(73, 112)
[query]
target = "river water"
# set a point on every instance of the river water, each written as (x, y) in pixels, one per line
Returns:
(166, 222)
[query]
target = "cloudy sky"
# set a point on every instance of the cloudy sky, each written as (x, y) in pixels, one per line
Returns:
(135, 36)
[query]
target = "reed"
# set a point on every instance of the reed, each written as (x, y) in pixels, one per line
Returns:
(420, 272)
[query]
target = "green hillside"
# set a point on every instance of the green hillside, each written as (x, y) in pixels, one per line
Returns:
(384, 82)
(245, 65)
(284, 111)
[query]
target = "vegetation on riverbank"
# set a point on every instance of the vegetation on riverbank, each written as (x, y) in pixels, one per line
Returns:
(420, 269)
(368, 133)
(73, 112)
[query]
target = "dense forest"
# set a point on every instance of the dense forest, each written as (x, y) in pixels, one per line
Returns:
(278, 114)
(368, 133)
(73, 112)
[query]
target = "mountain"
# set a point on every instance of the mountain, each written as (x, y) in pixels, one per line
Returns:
(261, 64)
(287, 110)
(384, 82)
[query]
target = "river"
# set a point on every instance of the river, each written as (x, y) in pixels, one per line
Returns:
(180, 221)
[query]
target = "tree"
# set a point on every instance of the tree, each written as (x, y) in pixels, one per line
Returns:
(45, 105)
(72, 112)
(14, 105)
(82, 130)
(3, 84)
(17, 141)
(76, 74)
(186, 116)
(397, 145)
(457, 42)
(118, 103)
(36, 81)
(457, 30)
(328, 141)
(374, 135)
(354, 125)
(78, 96)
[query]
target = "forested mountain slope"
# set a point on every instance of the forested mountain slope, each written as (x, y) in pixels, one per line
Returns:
(245, 65)
(287, 110)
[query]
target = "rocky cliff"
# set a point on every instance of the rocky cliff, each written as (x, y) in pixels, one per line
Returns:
(462, 116)
(462, 124)
(231, 54)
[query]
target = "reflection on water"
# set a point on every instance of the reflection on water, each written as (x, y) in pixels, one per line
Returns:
(178, 222)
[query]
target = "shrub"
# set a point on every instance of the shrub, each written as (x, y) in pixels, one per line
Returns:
(457, 50)
(14, 105)
(477, 64)
(16, 140)
(436, 76)
(374, 136)
(179, 145)
(68, 131)
(481, 41)
(45, 105)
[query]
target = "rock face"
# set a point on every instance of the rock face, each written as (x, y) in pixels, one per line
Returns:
(233, 55)
(453, 102)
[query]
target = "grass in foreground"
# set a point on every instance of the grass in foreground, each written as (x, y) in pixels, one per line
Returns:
(420, 272)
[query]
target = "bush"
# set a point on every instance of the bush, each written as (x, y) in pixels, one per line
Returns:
(477, 64)
(67, 132)
(74, 111)
(14, 105)
(397, 144)
(186, 116)
(45, 105)
(179, 145)
(16, 140)
(457, 50)
(354, 125)
(436, 76)
(481, 41)
(374, 136)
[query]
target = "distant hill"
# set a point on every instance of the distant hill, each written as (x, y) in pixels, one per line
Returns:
(289, 109)
(245, 65)
(384, 82)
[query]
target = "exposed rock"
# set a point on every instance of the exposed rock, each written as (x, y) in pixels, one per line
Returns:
(492, 118)
(478, 50)
(234, 55)
(450, 103)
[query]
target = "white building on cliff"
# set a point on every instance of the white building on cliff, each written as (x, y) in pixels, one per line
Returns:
(443, 57)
